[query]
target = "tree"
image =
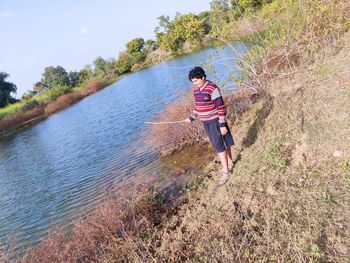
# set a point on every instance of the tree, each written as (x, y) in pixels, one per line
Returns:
(185, 28)
(165, 25)
(170, 42)
(29, 94)
(85, 74)
(135, 48)
(55, 76)
(124, 62)
(247, 4)
(150, 45)
(204, 17)
(74, 79)
(100, 66)
(219, 14)
(188, 27)
(39, 87)
(135, 45)
(111, 67)
(221, 5)
(6, 88)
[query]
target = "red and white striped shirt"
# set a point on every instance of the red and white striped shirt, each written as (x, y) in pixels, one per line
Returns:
(209, 104)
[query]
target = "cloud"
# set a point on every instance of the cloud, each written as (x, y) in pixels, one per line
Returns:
(83, 30)
(6, 14)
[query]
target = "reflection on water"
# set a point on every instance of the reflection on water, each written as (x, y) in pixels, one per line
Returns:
(61, 167)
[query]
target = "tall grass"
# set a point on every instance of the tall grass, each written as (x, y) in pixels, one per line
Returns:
(290, 33)
(273, 211)
(39, 107)
(167, 138)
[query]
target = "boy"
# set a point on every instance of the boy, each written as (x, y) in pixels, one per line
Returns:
(210, 109)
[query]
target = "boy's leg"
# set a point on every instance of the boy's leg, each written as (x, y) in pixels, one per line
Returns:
(223, 160)
(225, 170)
(229, 155)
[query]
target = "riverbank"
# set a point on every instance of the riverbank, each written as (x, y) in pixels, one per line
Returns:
(38, 112)
(32, 110)
(286, 201)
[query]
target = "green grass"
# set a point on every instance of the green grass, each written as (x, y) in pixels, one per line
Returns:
(11, 109)
(274, 157)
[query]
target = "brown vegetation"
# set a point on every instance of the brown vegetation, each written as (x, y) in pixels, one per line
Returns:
(288, 200)
(14, 122)
(28, 117)
(92, 87)
(94, 236)
(63, 102)
(169, 137)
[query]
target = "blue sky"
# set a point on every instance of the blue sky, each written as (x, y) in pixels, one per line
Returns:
(36, 34)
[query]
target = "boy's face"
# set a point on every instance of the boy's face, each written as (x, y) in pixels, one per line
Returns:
(199, 82)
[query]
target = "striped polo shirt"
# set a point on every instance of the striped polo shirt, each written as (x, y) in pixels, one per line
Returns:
(209, 105)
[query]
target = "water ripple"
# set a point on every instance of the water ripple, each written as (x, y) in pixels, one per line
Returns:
(63, 167)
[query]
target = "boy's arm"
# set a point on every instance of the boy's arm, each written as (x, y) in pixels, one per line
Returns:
(220, 106)
(193, 115)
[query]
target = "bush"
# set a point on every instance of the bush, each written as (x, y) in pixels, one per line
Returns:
(181, 133)
(54, 93)
(30, 104)
(188, 133)
(63, 102)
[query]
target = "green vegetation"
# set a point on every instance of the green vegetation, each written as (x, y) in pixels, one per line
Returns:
(184, 33)
(288, 198)
(6, 88)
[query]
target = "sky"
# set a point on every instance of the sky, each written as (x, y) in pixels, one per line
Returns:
(72, 33)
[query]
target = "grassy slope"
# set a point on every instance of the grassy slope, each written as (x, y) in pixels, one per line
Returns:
(288, 198)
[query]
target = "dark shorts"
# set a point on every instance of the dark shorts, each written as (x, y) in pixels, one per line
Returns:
(219, 142)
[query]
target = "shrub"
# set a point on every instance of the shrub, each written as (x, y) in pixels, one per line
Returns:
(165, 137)
(62, 102)
(20, 119)
(169, 137)
(54, 93)
(30, 104)
(92, 87)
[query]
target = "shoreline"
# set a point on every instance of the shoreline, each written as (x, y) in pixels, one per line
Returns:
(170, 189)
(4, 132)
(42, 112)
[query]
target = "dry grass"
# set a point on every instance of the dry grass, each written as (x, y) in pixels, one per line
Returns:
(63, 102)
(13, 122)
(106, 231)
(184, 133)
(275, 209)
(287, 201)
(92, 87)
(47, 108)
(167, 137)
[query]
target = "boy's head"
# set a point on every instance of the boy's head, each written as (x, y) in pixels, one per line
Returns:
(197, 76)
(196, 72)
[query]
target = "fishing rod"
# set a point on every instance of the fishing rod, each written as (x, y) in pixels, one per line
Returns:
(164, 122)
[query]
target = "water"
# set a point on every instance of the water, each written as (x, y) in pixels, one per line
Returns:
(61, 167)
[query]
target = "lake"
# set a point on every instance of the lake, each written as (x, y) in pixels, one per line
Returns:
(62, 167)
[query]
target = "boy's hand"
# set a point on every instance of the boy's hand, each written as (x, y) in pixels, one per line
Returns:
(187, 120)
(223, 130)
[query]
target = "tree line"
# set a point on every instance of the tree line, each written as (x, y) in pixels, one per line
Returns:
(173, 37)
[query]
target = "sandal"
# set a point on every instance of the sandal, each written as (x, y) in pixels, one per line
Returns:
(223, 179)
(230, 167)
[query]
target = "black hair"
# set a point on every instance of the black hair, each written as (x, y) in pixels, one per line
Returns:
(196, 72)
